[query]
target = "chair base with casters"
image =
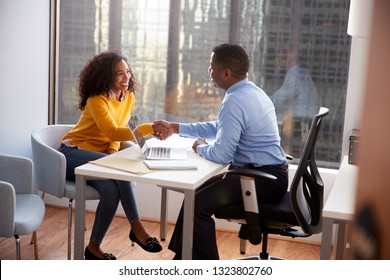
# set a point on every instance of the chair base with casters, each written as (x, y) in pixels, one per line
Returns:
(264, 254)
(301, 206)
(50, 169)
(21, 209)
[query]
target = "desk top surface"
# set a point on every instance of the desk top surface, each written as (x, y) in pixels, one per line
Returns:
(341, 200)
(180, 179)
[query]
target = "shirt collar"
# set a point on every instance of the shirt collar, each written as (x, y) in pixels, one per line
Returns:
(237, 85)
(112, 95)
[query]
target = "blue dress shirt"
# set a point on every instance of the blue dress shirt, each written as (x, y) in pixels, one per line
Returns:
(246, 131)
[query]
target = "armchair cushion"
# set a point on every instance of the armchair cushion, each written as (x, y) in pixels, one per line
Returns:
(27, 221)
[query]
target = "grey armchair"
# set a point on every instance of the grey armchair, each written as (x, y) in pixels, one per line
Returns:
(21, 210)
(50, 169)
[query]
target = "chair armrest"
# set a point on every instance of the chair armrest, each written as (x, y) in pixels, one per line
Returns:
(289, 157)
(250, 173)
(49, 166)
(7, 209)
(249, 197)
(18, 171)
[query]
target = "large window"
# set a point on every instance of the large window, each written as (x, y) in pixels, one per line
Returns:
(299, 52)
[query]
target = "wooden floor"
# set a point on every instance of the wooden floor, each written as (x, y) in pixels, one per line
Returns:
(52, 242)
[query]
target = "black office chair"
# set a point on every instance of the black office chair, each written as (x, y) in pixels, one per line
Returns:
(298, 214)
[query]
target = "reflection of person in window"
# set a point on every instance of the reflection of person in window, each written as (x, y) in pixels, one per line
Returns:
(296, 101)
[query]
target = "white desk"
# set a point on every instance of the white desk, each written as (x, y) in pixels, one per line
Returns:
(339, 209)
(185, 181)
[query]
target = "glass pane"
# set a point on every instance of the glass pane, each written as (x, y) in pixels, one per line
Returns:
(299, 53)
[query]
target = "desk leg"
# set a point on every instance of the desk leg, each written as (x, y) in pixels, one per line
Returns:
(188, 224)
(326, 239)
(80, 217)
(348, 250)
(163, 213)
(340, 243)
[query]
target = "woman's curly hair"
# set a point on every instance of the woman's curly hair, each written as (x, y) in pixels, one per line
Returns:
(97, 76)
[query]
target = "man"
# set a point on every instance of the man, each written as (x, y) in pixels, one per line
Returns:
(245, 134)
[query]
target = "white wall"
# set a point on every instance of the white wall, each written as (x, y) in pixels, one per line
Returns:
(355, 90)
(24, 79)
(359, 28)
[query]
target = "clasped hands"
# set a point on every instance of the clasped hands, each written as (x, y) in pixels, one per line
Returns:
(163, 130)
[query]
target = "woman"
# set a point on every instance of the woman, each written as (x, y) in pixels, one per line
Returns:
(106, 89)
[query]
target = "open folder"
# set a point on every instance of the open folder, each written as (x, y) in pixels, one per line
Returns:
(123, 164)
(142, 167)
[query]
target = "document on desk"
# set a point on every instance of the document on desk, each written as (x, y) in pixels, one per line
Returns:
(123, 164)
(170, 165)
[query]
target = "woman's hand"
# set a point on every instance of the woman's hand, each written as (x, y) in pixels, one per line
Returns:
(163, 129)
(111, 151)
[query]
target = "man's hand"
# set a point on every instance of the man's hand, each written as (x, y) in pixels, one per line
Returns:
(163, 129)
(197, 143)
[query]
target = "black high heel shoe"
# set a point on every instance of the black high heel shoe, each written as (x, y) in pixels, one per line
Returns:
(152, 244)
(89, 256)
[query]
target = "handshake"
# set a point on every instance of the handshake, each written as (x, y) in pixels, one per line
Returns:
(163, 129)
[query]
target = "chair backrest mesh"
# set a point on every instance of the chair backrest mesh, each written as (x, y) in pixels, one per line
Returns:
(307, 187)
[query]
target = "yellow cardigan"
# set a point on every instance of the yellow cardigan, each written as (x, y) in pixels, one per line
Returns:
(103, 124)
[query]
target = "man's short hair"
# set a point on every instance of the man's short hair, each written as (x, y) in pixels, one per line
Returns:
(233, 57)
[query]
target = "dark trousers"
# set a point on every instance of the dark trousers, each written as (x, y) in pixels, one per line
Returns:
(221, 191)
(111, 192)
